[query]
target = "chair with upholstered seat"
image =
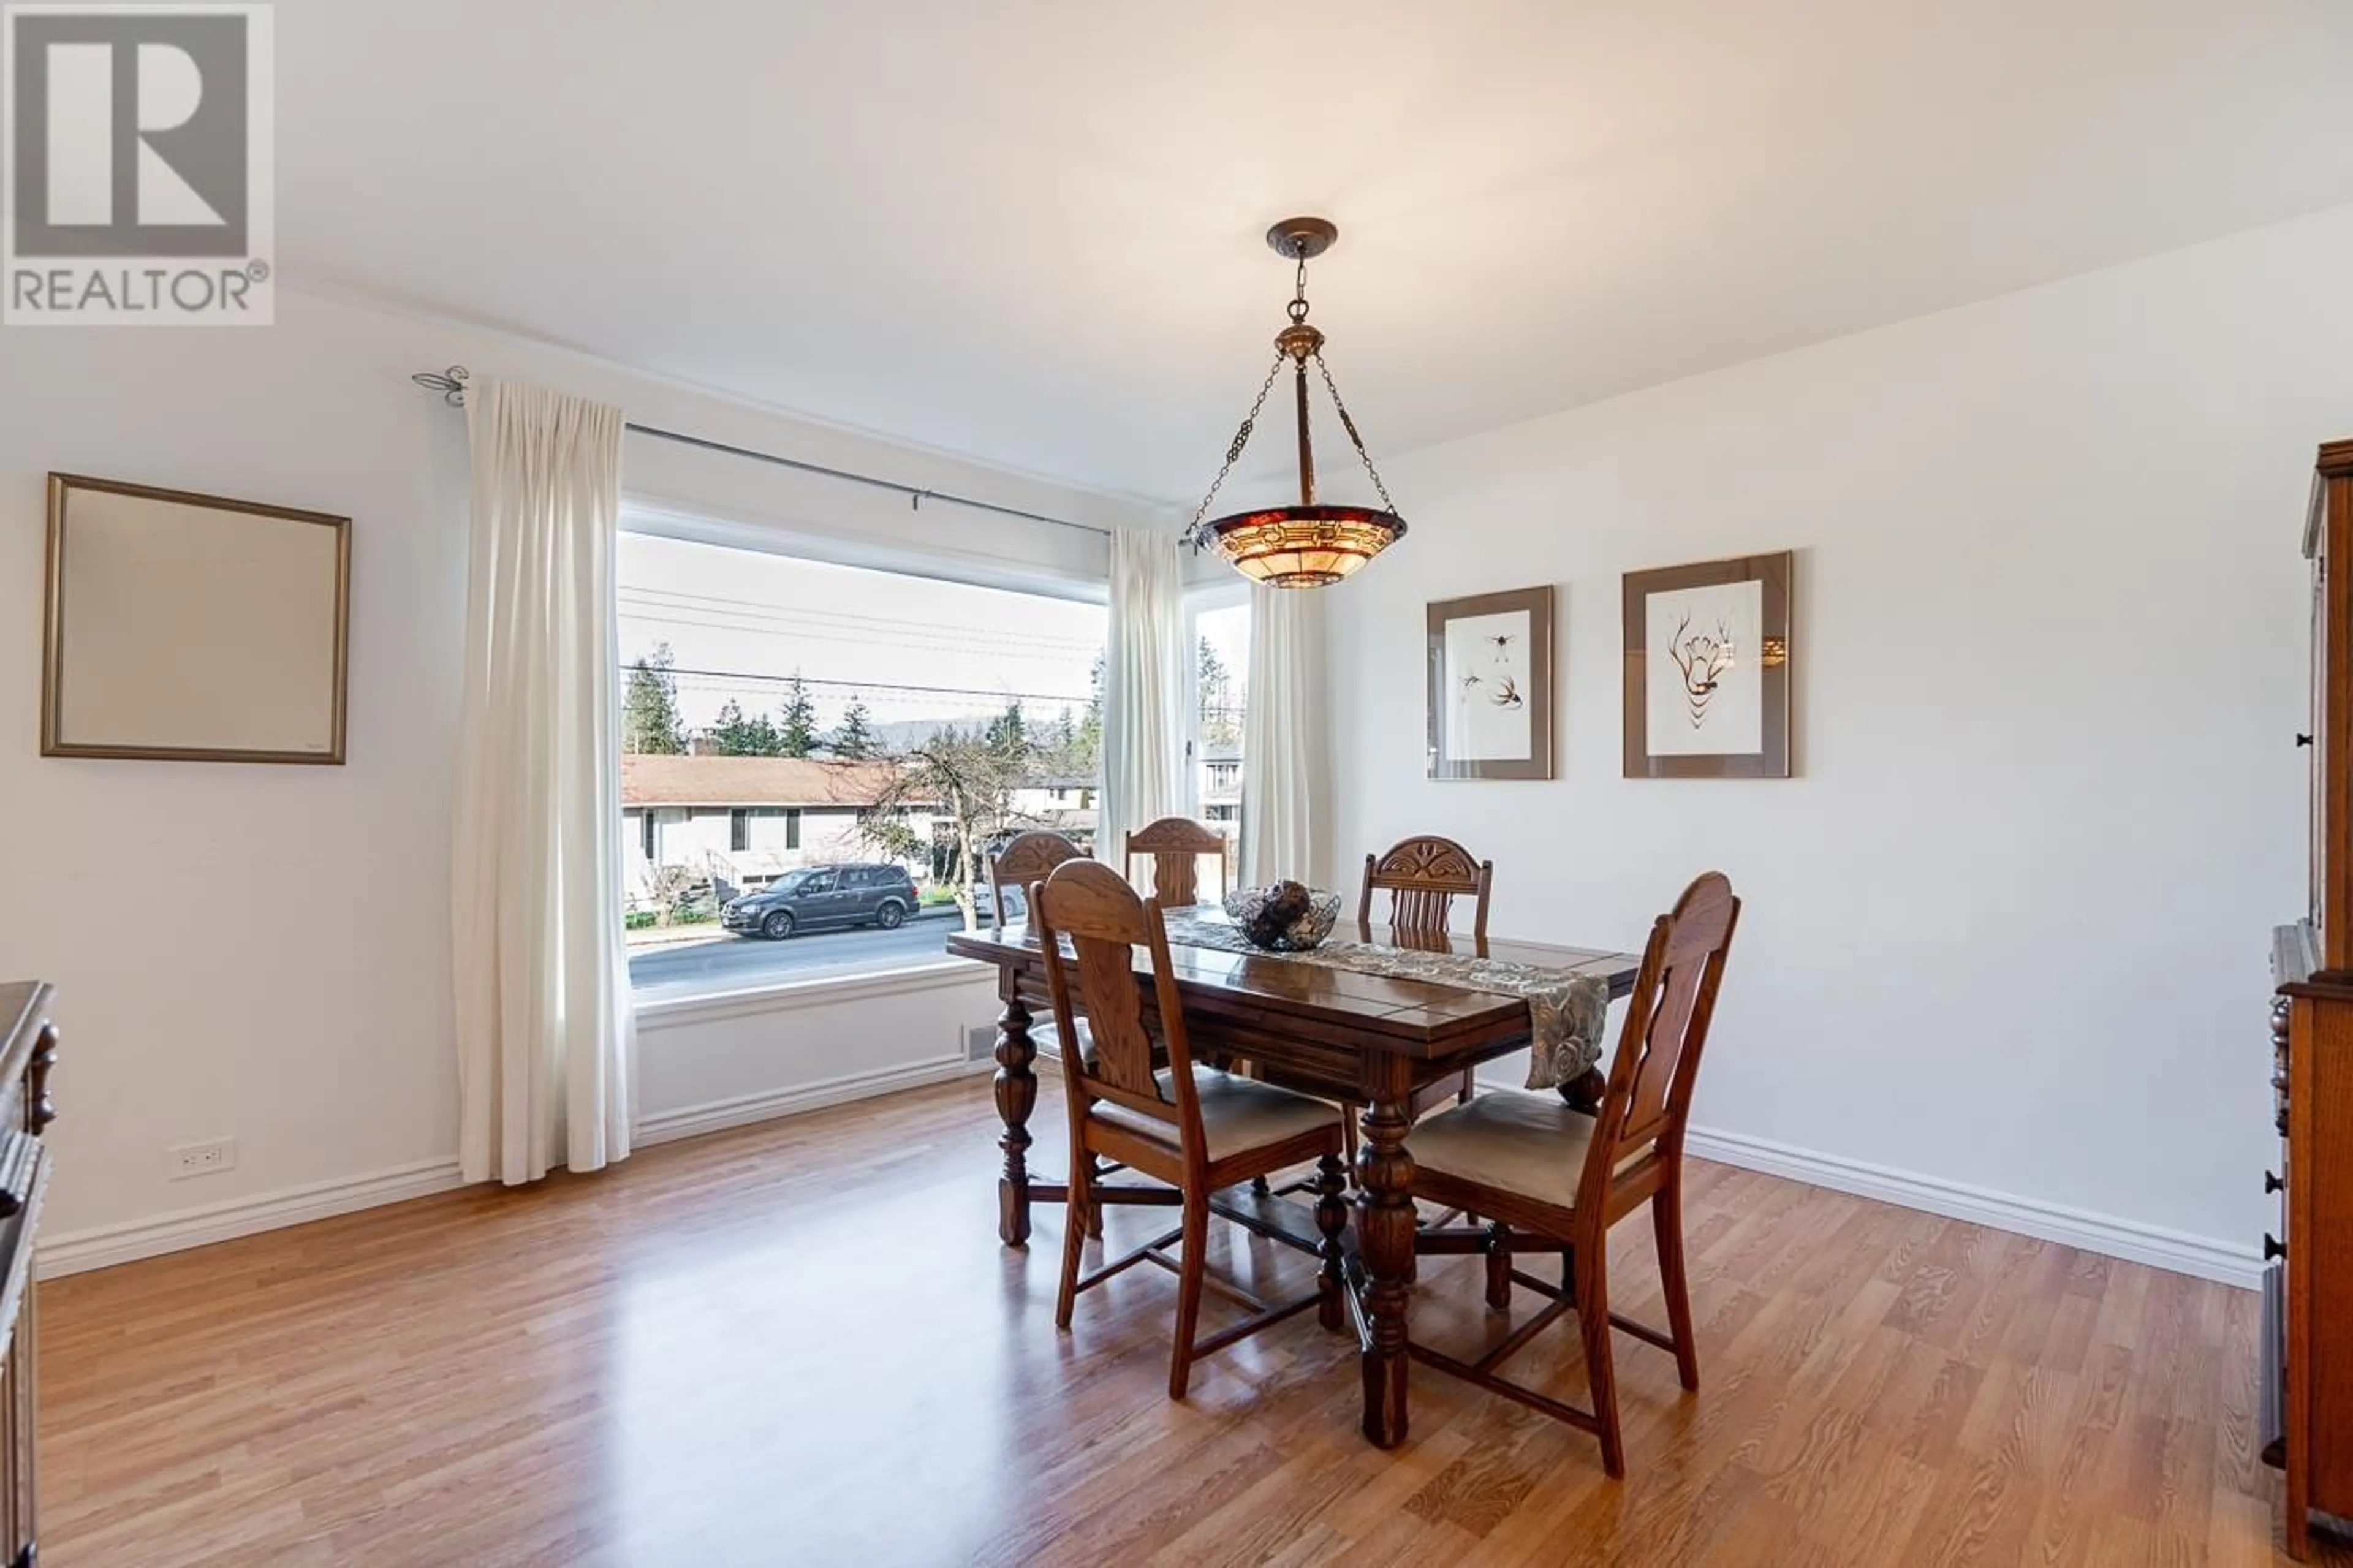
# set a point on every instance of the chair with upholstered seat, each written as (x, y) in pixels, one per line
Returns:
(1176, 845)
(1196, 1129)
(1423, 875)
(1026, 857)
(1555, 1177)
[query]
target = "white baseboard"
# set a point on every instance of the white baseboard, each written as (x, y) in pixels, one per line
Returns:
(693, 1120)
(102, 1246)
(2105, 1234)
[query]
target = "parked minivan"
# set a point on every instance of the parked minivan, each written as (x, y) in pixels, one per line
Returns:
(818, 897)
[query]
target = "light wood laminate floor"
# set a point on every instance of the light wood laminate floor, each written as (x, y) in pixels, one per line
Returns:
(801, 1343)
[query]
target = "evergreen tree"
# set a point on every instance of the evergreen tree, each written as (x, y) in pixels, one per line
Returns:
(1214, 685)
(855, 741)
(737, 736)
(650, 722)
(1009, 732)
(1088, 756)
(797, 735)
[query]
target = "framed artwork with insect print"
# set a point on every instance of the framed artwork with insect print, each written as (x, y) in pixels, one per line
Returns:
(1491, 686)
(1707, 670)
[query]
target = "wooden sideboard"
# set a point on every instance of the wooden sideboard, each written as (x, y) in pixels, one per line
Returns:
(2312, 1085)
(28, 1050)
(2308, 1291)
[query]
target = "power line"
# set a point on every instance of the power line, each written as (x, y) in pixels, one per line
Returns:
(711, 605)
(856, 685)
(642, 604)
(694, 694)
(867, 641)
(847, 638)
(755, 609)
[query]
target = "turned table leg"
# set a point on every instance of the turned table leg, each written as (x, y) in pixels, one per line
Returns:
(1332, 1222)
(1385, 1225)
(1016, 1095)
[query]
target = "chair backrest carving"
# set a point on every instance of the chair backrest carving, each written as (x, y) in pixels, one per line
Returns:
(1649, 1095)
(1177, 845)
(1092, 907)
(1024, 858)
(1423, 875)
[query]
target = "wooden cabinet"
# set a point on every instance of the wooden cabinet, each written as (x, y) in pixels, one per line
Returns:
(2310, 1339)
(28, 1050)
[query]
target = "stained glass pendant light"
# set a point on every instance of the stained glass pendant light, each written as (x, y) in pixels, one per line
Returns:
(1307, 545)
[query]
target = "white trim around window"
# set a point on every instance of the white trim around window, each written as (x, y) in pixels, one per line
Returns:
(656, 1014)
(1083, 575)
(1073, 571)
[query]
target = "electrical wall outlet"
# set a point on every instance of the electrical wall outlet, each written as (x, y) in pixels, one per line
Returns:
(207, 1158)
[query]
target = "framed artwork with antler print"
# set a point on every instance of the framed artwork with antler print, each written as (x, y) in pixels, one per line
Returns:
(1491, 686)
(1707, 670)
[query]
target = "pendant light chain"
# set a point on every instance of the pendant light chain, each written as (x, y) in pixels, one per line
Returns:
(1234, 452)
(1349, 424)
(1307, 544)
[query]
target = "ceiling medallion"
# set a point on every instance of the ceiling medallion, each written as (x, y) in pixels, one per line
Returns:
(1307, 545)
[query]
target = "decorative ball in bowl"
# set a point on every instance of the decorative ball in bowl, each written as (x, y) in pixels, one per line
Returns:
(1289, 917)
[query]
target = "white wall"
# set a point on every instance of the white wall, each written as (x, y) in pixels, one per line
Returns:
(260, 951)
(2007, 928)
(774, 835)
(858, 1036)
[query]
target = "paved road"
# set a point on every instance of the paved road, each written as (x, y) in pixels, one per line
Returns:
(732, 962)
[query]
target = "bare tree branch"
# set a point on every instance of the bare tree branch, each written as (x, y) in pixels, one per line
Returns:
(966, 777)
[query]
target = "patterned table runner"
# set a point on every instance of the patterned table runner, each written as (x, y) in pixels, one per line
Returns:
(1565, 1012)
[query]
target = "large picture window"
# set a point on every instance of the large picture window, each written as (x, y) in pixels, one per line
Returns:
(816, 758)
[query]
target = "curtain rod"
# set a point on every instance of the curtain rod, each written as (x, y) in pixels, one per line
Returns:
(451, 384)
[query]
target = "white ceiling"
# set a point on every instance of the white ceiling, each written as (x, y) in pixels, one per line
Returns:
(1030, 231)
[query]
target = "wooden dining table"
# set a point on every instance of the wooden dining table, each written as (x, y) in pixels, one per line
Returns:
(1366, 1039)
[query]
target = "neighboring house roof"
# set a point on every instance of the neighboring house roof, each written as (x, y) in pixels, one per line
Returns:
(751, 780)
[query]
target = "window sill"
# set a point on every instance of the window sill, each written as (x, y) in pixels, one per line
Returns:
(790, 995)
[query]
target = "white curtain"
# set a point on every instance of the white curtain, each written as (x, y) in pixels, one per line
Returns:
(546, 1037)
(1286, 752)
(1143, 687)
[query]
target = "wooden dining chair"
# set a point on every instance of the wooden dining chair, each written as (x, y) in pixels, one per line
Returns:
(1176, 845)
(1024, 858)
(1423, 875)
(1193, 1128)
(1553, 1177)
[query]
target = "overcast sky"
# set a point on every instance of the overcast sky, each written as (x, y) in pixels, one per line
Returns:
(739, 614)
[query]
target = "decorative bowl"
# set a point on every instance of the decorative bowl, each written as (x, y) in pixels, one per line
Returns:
(1286, 918)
